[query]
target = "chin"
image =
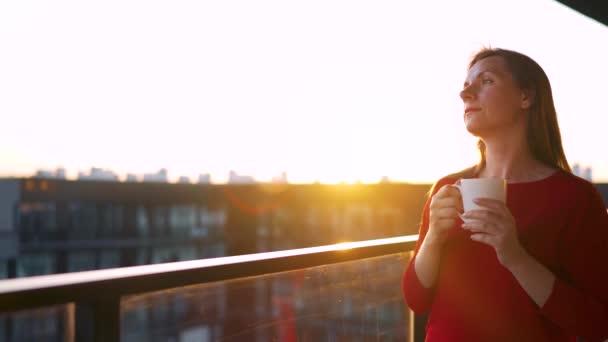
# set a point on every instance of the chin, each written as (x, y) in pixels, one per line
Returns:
(475, 130)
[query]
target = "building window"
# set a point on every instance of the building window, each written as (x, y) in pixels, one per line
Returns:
(110, 219)
(3, 269)
(44, 186)
(35, 264)
(81, 261)
(142, 222)
(109, 258)
(182, 219)
(83, 220)
(160, 220)
(187, 253)
(163, 254)
(142, 256)
(210, 222)
(37, 217)
(30, 185)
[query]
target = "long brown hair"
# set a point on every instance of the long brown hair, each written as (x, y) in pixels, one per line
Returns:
(543, 135)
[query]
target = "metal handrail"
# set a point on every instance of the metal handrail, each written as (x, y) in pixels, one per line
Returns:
(97, 294)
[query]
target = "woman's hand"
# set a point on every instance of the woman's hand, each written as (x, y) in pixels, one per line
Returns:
(495, 226)
(445, 208)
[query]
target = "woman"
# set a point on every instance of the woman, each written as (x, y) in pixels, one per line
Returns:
(535, 268)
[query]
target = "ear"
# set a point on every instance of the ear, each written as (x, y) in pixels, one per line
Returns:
(527, 98)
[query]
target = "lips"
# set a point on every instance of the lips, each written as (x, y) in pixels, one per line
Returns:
(471, 109)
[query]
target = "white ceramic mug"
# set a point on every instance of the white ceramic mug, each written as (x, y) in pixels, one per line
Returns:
(470, 189)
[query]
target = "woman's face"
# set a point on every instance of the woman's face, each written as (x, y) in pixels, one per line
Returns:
(493, 102)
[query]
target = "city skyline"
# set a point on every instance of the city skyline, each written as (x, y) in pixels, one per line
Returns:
(162, 176)
(329, 91)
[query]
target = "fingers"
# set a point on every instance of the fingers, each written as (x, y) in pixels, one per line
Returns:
(447, 196)
(482, 231)
(447, 191)
(481, 227)
(484, 238)
(493, 205)
(446, 212)
(447, 202)
(482, 215)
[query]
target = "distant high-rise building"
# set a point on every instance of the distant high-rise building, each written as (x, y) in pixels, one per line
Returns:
(576, 169)
(97, 173)
(583, 172)
(60, 173)
(234, 178)
(280, 179)
(385, 179)
(204, 178)
(131, 177)
(160, 176)
(588, 173)
(184, 180)
(44, 174)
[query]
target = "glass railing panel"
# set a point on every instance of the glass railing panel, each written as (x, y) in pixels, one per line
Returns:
(351, 301)
(42, 324)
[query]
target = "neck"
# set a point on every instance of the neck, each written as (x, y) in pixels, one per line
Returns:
(509, 157)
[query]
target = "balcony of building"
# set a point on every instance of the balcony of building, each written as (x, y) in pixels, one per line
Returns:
(342, 292)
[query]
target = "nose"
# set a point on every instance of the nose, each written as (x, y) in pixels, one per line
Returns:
(467, 93)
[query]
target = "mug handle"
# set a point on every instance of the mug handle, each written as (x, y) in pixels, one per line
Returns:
(458, 185)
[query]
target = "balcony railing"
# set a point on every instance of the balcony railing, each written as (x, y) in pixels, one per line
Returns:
(336, 292)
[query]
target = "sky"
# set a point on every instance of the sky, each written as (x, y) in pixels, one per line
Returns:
(324, 90)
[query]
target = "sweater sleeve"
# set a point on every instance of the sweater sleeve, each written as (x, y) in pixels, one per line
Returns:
(578, 302)
(417, 297)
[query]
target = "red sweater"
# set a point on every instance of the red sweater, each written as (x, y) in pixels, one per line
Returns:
(562, 222)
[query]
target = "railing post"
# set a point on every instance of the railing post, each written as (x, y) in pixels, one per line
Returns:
(69, 323)
(98, 320)
(410, 326)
